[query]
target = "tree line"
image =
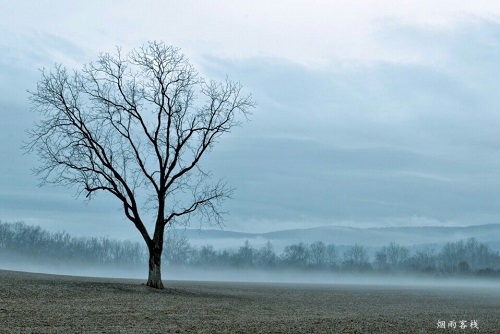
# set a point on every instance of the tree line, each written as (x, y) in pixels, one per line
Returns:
(465, 257)
(35, 243)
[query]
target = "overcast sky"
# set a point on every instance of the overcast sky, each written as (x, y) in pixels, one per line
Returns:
(370, 113)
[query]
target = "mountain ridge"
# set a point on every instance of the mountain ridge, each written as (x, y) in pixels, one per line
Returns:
(346, 235)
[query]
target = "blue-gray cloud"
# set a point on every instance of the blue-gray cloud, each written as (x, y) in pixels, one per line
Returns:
(374, 142)
(356, 142)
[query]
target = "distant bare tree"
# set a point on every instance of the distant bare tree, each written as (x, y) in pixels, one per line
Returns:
(178, 250)
(207, 256)
(317, 254)
(332, 256)
(423, 260)
(132, 126)
(356, 257)
(393, 256)
(266, 256)
(245, 255)
(296, 255)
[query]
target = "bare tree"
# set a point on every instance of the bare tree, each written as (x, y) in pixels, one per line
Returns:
(392, 257)
(356, 257)
(296, 255)
(332, 256)
(178, 248)
(266, 256)
(131, 125)
(317, 254)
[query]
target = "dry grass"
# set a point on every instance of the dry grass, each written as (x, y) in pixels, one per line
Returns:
(37, 303)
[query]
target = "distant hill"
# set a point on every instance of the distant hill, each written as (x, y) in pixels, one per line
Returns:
(370, 237)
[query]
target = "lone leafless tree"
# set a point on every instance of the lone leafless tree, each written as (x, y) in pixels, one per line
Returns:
(135, 126)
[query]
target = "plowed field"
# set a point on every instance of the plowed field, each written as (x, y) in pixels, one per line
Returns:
(39, 303)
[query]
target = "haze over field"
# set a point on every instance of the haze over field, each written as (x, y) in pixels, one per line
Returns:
(465, 262)
(370, 113)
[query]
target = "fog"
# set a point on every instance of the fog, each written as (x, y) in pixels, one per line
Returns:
(297, 277)
(255, 276)
(459, 263)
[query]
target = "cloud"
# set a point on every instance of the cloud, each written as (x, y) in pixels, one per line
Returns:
(307, 32)
(374, 113)
(375, 141)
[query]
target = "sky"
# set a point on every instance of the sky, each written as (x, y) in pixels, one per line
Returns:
(369, 113)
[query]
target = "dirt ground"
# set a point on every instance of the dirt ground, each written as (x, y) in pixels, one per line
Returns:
(39, 303)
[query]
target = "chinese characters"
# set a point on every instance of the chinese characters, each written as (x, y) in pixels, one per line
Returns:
(462, 324)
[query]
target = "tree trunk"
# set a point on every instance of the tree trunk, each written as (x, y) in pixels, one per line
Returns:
(154, 278)
(156, 248)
